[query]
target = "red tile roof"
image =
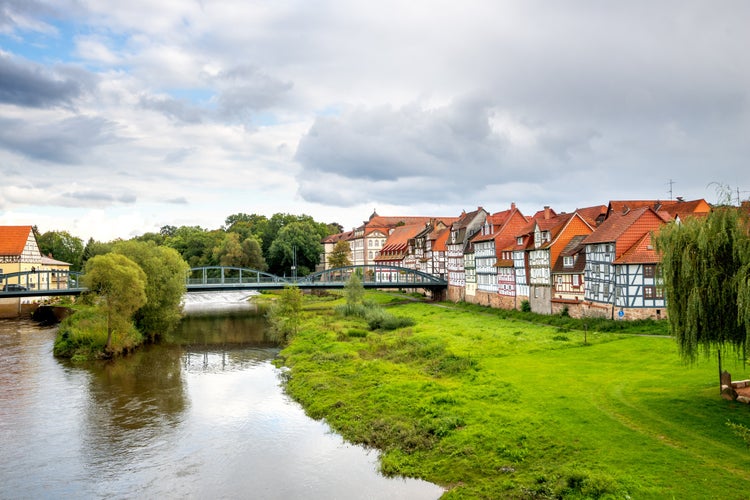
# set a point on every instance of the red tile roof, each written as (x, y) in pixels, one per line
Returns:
(13, 239)
(633, 224)
(641, 253)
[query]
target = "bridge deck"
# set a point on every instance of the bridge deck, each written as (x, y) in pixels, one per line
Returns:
(217, 278)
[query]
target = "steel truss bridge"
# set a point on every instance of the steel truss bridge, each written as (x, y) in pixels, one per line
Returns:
(47, 283)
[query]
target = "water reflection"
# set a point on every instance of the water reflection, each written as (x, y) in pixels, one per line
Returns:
(201, 415)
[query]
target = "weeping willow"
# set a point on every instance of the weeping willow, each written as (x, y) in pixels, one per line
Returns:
(705, 266)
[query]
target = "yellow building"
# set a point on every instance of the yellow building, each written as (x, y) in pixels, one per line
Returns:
(18, 253)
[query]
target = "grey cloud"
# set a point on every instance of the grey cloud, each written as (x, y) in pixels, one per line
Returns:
(98, 197)
(27, 84)
(245, 90)
(66, 141)
(175, 109)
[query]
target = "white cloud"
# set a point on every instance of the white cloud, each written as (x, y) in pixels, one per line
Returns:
(200, 110)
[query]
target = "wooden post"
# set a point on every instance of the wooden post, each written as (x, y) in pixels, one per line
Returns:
(718, 351)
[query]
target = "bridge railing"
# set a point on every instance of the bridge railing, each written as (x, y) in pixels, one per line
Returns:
(228, 276)
(40, 282)
(374, 275)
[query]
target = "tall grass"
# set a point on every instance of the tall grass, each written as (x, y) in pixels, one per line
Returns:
(498, 407)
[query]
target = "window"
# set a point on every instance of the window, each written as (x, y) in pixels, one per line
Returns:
(519, 240)
(659, 292)
(576, 280)
(568, 261)
(649, 271)
(648, 292)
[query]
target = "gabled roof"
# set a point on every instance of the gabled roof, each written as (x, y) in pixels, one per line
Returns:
(49, 261)
(441, 239)
(672, 207)
(463, 221)
(634, 223)
(13, 239)
(574, 247)
(335, 238)
(385, 224)
(398, 240)
(641, 253)
(593, 215)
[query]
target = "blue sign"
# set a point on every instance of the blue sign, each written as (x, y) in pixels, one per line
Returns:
(621, 313)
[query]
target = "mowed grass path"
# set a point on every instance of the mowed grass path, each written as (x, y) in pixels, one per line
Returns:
(494, 408)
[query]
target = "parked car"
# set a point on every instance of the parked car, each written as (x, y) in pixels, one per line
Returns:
(13, 287)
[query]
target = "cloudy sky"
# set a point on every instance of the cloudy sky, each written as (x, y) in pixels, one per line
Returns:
(117, 118)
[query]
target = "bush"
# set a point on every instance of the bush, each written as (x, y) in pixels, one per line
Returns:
(525, 306)
(380, 319)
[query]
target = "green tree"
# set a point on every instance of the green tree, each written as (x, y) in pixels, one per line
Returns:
(119, 287)
(165, 272)
(233, 252)
(340, 255)
(297, 240)
(195, 244)
(705, 265)
(285, 314)
(354, 291)
(94, 248)
(61, 245)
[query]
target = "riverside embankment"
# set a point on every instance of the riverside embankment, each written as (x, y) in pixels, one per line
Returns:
(498, 408)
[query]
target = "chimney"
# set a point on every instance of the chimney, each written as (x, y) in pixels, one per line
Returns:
(513, 205)
(546, 212)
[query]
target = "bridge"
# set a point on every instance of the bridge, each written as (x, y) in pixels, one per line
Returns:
(47, 283)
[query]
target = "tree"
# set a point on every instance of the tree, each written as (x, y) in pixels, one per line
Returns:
(119, 286)
(165, 272)
(61, 245)
(195, 244)
(285, 315)
(354, 291)
(705, 267)
(236, 253)
(340, 255)
(94, 248)
(298, 241)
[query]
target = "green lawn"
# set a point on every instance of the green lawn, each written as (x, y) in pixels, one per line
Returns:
(502, 408)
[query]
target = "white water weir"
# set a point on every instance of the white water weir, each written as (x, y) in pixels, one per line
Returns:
(230, 299)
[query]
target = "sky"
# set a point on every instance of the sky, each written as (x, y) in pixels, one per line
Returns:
(118, 118)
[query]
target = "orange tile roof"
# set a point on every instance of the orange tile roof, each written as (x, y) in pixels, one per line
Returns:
(441, 240)
(593, 215)
(641, 253)
(634, 224)
(399, 238)
(13, 239)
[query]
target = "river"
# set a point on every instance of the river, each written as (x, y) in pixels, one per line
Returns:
(200, 415)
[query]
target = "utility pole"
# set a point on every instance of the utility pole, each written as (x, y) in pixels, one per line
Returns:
(294, 262)
(671, 183)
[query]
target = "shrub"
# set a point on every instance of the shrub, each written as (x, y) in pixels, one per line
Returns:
(525, 306)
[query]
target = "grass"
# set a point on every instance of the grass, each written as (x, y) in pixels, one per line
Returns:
(492, 407)
(83, 336)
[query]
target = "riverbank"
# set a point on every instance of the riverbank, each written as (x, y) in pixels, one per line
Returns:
(503, 408)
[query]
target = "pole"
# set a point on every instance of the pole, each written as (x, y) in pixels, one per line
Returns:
(718, 351)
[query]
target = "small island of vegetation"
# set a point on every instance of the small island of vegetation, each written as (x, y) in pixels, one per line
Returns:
(134, 295)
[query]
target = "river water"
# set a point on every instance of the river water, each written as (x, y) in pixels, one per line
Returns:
(201, 415)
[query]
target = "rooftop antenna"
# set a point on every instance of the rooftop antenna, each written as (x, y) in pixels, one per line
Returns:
(671, 183)
(739, 200)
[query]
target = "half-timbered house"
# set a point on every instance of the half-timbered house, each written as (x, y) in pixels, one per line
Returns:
(466, 226)
(496, 235)
(551, 235)
(618, 234)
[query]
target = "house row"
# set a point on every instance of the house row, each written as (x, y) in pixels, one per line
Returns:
(594, 261)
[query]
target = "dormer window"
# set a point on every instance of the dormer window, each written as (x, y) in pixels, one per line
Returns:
(568, 261)
(519, 240)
